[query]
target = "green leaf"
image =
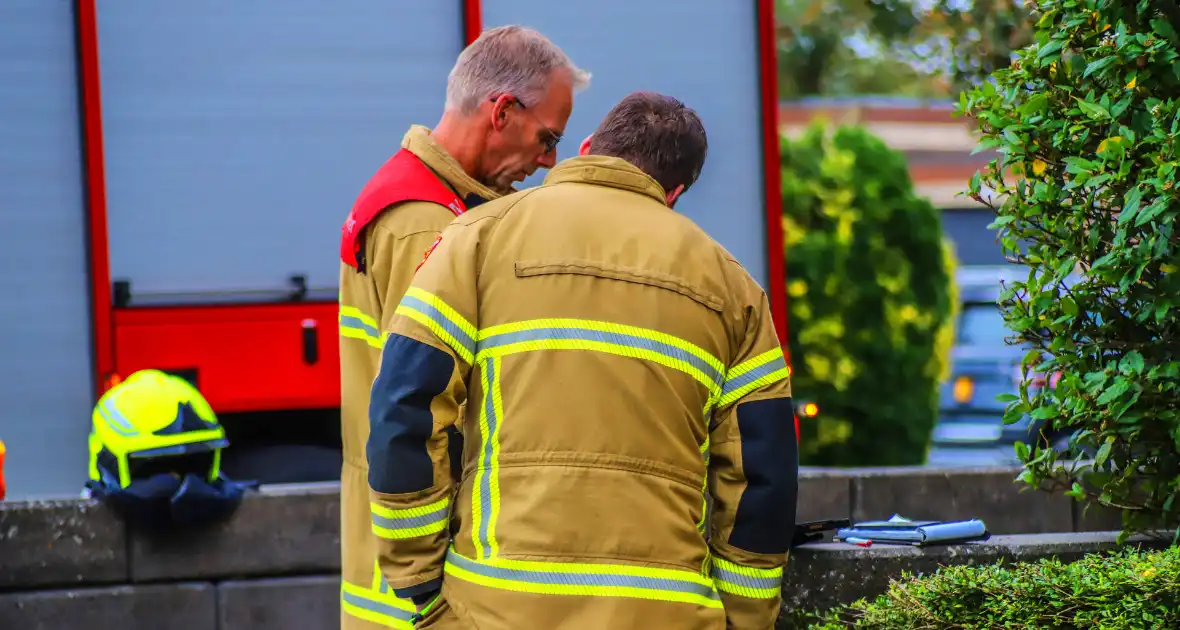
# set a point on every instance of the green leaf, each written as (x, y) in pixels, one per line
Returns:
(1006, 398)
(1130, 205)
(1151, 212)
(1022, 451)
(1114, 391)
(1036, 103)
(1069, 306)
(985, 144)
(1093, 110)
(1131, 363)
(1095, 66)
(1077, 165)
(1050, 48)
(1164, 27)
(1103, 453)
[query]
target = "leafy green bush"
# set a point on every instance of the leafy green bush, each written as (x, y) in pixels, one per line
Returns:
(869, 299)
(1087, 121)
(1129, 590)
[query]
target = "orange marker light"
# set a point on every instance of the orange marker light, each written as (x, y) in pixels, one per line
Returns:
(810, 410)
(110, 382)
(963, 389)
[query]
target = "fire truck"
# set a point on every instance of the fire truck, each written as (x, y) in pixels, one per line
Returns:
(173, 177)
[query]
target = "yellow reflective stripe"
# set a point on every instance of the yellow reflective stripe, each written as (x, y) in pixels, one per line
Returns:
(745, 581)
(485, 497)
(412, 522)
(379, 584)
(355, 324)
(591, 580)
(599, 336)
(704, 488)
(379, 608)
(764, 369)
(445, 322)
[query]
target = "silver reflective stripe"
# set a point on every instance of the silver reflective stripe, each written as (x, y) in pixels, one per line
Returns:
(740, 381)
(572, 578)
(602, 336)
(485, 477)
(746, 580)
(408, 522)
(378, 607)
(442, 320)
(348, 321)
(115, 420)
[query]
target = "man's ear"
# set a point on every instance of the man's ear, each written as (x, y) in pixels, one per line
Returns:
(584, 148)
(499, 111)
(674, 195)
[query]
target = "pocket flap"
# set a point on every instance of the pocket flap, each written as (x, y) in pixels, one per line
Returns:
(596, 269)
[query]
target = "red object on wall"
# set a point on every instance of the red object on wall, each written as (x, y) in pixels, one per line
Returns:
(245, 357)
(776, 286)
(96, 195)
(472, 19)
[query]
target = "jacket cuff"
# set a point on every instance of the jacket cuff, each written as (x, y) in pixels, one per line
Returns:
(424, 588)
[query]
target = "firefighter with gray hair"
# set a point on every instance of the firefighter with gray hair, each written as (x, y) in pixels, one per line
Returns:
(508, 99)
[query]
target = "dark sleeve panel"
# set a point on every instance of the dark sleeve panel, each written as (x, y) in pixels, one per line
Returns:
(765, 520)
(400, 423)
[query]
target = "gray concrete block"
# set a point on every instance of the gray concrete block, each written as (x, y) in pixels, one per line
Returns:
(824, 494)
(989, 494)
(1095, 518)
(155, 607)
(280, 604)
(825, 575)
(60, 542)
(280, 530)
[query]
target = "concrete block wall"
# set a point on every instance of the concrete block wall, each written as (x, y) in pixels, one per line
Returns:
(990, 494)
(74, 564)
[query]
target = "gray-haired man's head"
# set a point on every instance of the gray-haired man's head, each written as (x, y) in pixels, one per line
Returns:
(522, 85)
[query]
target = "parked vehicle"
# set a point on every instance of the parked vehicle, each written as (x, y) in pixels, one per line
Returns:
(970, 429)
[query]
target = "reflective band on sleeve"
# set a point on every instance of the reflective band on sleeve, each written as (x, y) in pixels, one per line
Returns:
(375, 607)
(485, 497)
(430, 311)
(588, 580)
(747, 581)
(764, 369)
(410, 522)
(628, 341)
(355, 324)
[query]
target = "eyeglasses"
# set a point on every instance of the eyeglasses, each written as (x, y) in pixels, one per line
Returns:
(552, 138)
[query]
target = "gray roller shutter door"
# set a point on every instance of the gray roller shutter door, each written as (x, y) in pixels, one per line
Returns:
(238, 134)
(45, 359)
(704, 52)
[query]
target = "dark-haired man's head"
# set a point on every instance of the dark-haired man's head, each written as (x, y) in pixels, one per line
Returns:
(659, 134)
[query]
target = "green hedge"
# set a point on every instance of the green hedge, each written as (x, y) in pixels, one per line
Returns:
(1128, 590)
(870, 300)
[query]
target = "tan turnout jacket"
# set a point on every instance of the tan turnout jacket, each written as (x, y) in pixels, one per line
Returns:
(395, 243)
(607, 361)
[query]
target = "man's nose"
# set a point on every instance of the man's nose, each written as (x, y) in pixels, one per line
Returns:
(548, 159)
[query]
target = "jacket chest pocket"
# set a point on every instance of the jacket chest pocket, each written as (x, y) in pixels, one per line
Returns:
(622, 273)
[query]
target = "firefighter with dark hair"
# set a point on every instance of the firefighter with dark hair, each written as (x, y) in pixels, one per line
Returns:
(609, 365)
